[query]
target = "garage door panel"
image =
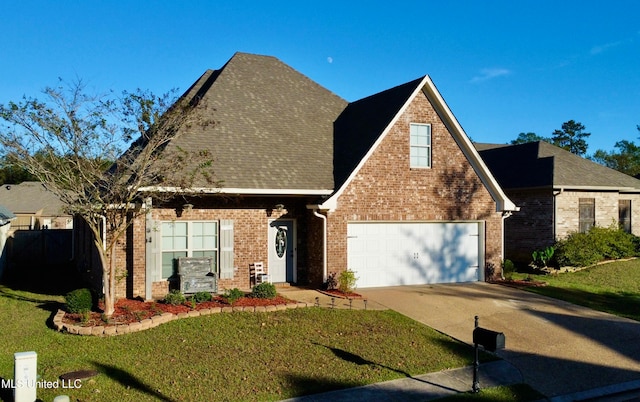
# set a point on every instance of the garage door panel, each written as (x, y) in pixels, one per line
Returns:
(390, 254)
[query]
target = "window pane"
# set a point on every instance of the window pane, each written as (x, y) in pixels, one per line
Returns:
(624, 215)
(420, 145)
(167, 243)
(208, 243)
(179, 243)
(170, 263)
(180, 228)
(587, 214)
(197, 228)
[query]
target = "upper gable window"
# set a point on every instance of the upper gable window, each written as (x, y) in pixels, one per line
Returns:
(420, 144)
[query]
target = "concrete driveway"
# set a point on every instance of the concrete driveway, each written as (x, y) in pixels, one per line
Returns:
(560, 348)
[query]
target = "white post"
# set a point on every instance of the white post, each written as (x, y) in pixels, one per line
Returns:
(25, 376)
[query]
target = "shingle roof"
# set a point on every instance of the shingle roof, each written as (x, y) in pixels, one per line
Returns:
(5, 215)
(540, 164)
(273, 127)
(29, 197)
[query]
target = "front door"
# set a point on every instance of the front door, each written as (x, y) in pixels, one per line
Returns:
(281, 251)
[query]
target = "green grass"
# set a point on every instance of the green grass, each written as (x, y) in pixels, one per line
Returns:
(613, 287)
(231, 356)
(512, 393)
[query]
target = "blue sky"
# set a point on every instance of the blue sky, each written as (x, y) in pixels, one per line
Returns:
(504, 67)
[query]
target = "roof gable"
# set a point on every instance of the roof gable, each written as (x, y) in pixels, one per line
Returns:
(540, 164)
(383, 110)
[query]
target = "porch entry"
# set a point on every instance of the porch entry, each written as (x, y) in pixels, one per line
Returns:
(281, 251)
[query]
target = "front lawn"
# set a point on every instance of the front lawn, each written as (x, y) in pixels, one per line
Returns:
(613, 287)
(226, 356)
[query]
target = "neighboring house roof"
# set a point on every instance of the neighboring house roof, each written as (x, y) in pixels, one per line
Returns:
(272, 127)
(6, 216)
(540, 164)
(30, 197)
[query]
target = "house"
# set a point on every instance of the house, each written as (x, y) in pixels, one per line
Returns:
(389, 186)
(558, 193)
(40, 234)
(34, 206)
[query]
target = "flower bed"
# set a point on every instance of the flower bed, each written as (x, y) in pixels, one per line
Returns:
(134, 315)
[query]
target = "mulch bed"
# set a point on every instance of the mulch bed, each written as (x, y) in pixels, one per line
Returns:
(521, 283)
(340, 294)
(128, 311)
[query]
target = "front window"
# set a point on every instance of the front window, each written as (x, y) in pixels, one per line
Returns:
(624, 215)
(587, 211)
(420, 144)
(187, 239)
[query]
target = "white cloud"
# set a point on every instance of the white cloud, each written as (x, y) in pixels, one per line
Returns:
(601, 48)
(490, 73)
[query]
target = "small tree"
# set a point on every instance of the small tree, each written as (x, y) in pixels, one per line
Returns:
(73, 143)
(524, 138)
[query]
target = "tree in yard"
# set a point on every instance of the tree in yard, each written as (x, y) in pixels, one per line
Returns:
(96, 153)
(523, 138)
(571, 138)
(626, 159)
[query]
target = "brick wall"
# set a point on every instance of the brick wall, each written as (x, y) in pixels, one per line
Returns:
(250, 217)
(606, 205)
(386, 189)
(531, 228)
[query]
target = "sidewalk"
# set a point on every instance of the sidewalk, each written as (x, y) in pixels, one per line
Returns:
(314, 297)
(424, 387)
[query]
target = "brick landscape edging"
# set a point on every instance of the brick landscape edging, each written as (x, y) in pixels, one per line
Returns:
(160, 319)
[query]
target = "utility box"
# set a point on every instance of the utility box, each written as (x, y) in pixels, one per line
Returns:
(25, 371)
(490, 340)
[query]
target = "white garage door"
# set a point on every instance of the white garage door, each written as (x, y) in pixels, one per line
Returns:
(391, 254)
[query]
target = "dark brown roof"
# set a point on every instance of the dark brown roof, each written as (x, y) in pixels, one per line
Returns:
(273, 127)
(540, 164)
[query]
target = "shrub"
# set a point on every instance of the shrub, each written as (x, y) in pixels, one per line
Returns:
(583, 249)
(201, 297)
(175, 298)
(264, 290)
(542, 257)
(79, 301)
(232, 295)
(347, 281)
(331, 282)
(508, 269)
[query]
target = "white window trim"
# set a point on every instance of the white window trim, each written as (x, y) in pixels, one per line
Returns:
(189, 248)
(428, 147)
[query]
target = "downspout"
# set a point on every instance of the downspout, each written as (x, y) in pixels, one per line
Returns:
(324, 242)
(505, 215)
(554, 222)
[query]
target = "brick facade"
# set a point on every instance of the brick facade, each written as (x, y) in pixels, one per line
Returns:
(387, 189)
(546, 216)
(250, 218)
